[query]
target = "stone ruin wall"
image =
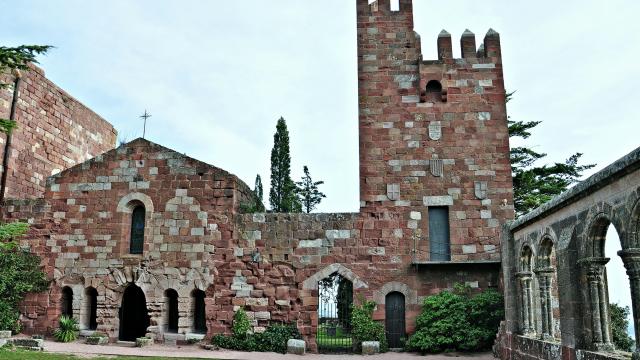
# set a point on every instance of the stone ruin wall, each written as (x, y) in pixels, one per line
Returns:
(575, 223)
(55, 132)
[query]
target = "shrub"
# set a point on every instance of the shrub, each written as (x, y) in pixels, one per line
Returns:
(364, 328)
(274, 339)
(68, 330)
(241, 324)
(20, 274)
(457, 321)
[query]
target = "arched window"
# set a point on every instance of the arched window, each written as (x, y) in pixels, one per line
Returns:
(171, 309)
(66, 302)
(526, 278)
(137, 230)
(199, 317)
(434, 91)
(91, 308)
(546, 279)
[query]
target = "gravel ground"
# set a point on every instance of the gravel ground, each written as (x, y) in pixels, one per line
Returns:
(84, 350)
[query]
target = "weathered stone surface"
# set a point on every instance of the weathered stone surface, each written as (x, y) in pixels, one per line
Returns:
(370, 347)
(143, 342)
(296, 347)
(5, 334)
(97, 340)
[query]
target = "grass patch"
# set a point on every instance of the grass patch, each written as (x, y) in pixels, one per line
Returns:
(40, 355)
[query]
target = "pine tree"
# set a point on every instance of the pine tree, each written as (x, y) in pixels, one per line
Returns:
(282, 195)
(535, 185)
(17, 58)
(258, 192)
(308, 192)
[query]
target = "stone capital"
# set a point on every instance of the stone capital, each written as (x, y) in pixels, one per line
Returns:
(546, 271)
(631, 259)
(594, 266)
(524, 275)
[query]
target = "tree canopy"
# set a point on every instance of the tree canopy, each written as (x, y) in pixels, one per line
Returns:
(533, 184)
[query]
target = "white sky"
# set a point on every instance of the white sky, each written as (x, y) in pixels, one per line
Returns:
(217, 75)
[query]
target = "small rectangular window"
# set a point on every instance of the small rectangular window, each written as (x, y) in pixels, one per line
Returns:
(395, 5)
(439, 242)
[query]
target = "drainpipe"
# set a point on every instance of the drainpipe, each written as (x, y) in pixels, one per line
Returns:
(7, 145)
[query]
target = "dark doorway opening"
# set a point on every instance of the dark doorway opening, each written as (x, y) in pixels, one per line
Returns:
(335, 301)
(171, 308)
(66, 302)
(92, 308)
(134, 317)
(199, 312)
(394, 320)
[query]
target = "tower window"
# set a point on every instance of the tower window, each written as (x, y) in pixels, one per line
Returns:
(137, 230)
(433, 91)
(439, 242)
(395, 5)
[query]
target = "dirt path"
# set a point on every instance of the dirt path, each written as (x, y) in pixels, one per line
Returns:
(84, 350)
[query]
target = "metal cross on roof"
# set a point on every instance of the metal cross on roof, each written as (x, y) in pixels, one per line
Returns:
(145, 116)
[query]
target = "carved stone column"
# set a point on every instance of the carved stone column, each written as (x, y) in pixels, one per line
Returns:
(597, 301)
(528, 326)
(545, 278)
(631, 259)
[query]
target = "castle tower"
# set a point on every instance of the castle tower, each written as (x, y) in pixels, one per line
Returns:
(434, 144)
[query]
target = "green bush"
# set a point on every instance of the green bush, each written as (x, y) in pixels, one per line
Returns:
(274, 339)
(68, 330)
(364, 328)
(241, 324)
(9, 317)
(20, 274)
(457, 321)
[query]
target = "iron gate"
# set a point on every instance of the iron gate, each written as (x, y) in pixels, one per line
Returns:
(335, 299)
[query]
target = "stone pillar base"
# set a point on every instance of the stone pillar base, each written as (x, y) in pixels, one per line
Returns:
(604, 347)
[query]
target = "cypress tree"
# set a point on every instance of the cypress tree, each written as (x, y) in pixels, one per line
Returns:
(308, 191)
(257, 191)
(282, 195)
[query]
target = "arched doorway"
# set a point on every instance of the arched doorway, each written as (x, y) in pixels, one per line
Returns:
(335, 300)
(91, 303)
(171, 310)
(66, 302)
(394, 319)
(199, 312)
(134, 317)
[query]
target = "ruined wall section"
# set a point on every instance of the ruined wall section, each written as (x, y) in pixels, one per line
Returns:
(422, 148)
(274, 267)
(55, 132)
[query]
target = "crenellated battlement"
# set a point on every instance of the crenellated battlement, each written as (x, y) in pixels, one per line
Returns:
(384, 7)
(489, 48)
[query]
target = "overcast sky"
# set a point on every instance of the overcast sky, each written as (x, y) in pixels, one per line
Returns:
(216, 75)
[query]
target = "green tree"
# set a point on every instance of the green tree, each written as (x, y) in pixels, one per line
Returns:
(308, 192)
(17, 58)
(258, 192)
(620, 327)
(282, 195)
(535, 185)
(20, 274)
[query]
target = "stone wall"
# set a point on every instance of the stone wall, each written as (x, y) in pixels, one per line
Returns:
(82, 230)
(563, 298)
(55, 132)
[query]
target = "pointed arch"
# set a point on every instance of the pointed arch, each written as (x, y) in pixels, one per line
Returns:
(312, 282)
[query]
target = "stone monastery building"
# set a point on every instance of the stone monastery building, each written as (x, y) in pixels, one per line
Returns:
(142, 240)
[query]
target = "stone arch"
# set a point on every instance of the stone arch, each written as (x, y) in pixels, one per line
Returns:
(633, 226)
(410, 295)
(598, 222)
(312, 282)
(526, 258)
(545, 257)
(124, 205)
